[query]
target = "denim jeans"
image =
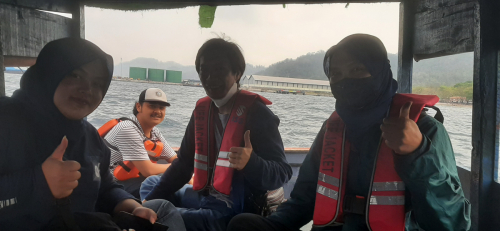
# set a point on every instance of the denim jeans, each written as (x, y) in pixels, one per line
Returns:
(199, 212)
(167, 214)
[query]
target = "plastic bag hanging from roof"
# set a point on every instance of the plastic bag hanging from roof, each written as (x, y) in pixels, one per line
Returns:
(207, 16)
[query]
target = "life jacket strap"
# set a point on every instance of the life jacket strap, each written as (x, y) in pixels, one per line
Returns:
(387, 200)
(138, 126)
(154, 158)
(439, 115)
(354, 204)
(128, 119)
(154, 147)
(125, 167)
(110, 145)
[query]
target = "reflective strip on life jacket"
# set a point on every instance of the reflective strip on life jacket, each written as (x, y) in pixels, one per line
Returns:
(200, 157)
(201, 166)
(224, 155)
(387, 200)
(221, 161)
(331, 193)
(327, 192)
(328, 179)
(388, 186)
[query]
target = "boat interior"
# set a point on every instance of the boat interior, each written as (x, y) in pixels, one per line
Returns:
(427, 29)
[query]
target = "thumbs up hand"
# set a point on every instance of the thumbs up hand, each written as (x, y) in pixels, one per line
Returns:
(62, 176)
(239, 156)
(402, 134)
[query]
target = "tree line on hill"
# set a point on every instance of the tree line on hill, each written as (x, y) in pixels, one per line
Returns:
(445, 92)
(443, 71)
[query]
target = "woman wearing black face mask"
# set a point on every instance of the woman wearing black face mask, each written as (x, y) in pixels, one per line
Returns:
(372, 167)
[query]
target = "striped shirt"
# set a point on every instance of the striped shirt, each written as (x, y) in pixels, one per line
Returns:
(128, 139)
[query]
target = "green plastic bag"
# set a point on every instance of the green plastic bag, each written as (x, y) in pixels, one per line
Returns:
(207, 16)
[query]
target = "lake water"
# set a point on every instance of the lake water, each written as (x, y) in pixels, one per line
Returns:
(301, 115)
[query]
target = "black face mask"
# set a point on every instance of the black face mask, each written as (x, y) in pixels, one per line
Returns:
(355, 93)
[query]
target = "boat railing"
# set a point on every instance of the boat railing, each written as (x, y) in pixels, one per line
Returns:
(295, 157)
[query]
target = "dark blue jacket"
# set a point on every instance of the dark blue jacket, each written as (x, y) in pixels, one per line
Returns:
(26, 202)
(266, 170)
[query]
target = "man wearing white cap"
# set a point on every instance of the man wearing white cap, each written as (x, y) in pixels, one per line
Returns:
(136, 144)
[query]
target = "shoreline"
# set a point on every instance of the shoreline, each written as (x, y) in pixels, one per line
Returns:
(273, 90)
(454, 104)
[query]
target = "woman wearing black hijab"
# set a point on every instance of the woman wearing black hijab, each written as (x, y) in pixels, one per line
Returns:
(372, 148)
(52, 162)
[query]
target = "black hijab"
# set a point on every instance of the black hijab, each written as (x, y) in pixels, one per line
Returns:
(39, 83)
(363, 103)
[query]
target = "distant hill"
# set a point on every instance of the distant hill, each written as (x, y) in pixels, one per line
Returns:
(251, 69)
(188, 72)
(309, 66)
(446, 71)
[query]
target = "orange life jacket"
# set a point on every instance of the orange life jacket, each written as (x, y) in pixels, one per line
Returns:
(126, 169)
(384, 209)
(205, 150)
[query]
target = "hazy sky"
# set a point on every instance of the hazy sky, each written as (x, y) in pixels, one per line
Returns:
(267, 34)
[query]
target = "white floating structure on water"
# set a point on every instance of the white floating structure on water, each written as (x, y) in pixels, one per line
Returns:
(282, 82)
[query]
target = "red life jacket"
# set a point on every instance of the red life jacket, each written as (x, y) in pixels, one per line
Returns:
(384, 209)
(126, 169)
(205, 150)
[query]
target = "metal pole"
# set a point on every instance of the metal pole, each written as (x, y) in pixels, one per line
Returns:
(2, 68)
(78, 20)
(484, 189)
(405, 53)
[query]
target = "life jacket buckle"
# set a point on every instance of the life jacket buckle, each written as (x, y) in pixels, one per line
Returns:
(354, 204)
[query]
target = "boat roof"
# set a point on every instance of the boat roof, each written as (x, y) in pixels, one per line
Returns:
(136, 5)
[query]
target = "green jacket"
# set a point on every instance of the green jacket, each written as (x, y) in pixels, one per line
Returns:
(434, 196)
